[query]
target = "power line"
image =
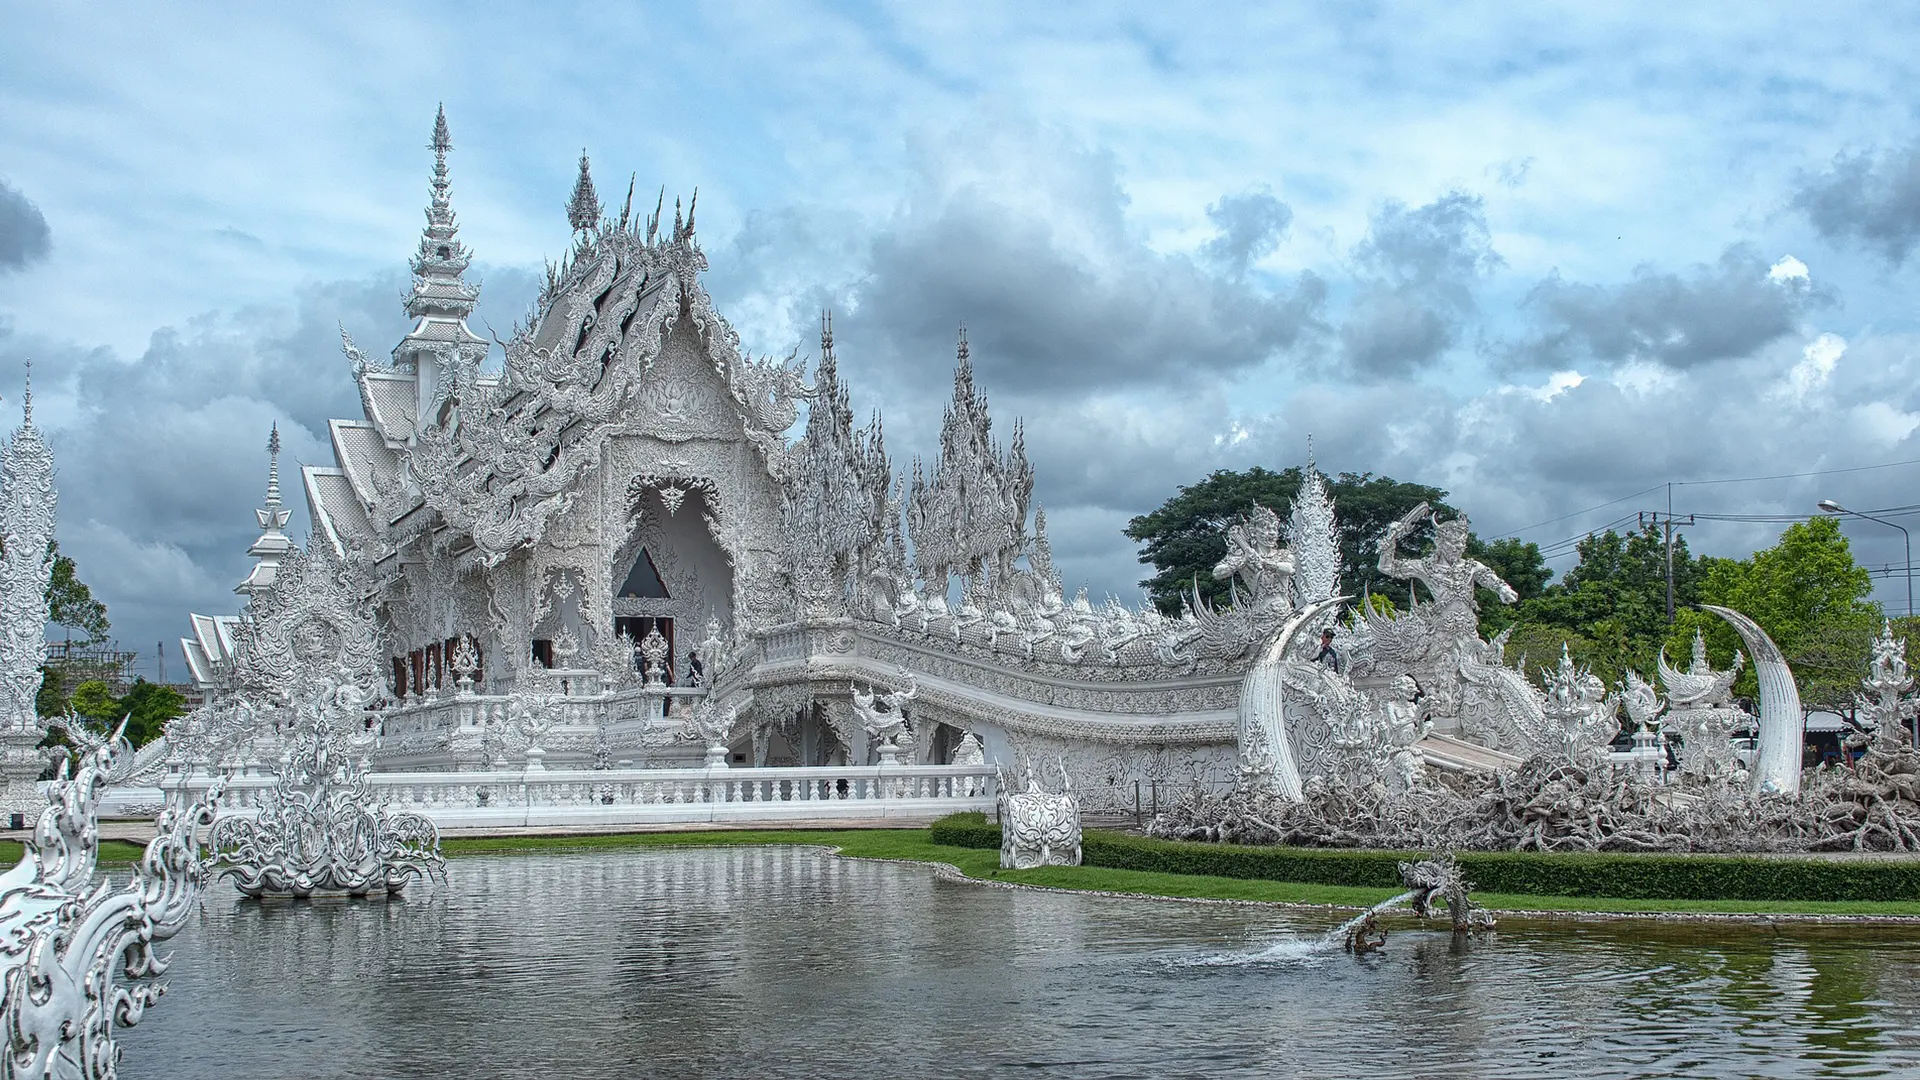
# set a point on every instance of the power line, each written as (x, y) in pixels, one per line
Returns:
(1724, 480)
(1577, 513)
(1796, 475)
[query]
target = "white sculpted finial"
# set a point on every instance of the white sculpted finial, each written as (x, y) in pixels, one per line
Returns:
(583, 208)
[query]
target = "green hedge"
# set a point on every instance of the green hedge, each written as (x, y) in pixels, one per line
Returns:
(1524, 873)
(970, 829)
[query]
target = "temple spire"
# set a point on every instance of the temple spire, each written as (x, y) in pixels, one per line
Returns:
(437, 286)
(26, 397)
(273, 467)
(583, 208)
(273, 543)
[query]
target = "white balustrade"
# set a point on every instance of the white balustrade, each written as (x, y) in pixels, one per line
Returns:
(561, 797)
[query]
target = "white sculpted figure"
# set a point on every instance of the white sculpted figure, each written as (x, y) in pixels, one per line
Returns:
(1038, 828)
(1703, 713)
(1584, 717)
(69, 942)
(1257, 563)
(1887, 707)
(1448, 573)
(1471, 693)
(1407, 723)
(884, 718)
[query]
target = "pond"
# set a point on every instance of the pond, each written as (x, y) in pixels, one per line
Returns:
(784, 962)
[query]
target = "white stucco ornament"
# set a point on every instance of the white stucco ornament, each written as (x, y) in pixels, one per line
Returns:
(1039, 828)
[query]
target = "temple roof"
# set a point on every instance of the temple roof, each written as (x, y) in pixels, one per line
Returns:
(392, 399)
(337, 512)
(364, 456)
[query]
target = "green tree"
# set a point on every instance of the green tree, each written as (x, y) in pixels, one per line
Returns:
(1810, 597)
(71, 604)
(94, 702)
(148, 707)
(1186, 536)
(1610, 609)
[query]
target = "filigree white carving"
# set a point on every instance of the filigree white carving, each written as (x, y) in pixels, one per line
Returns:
(883, 716)
(1039, 828)
(321, 830)
(67, 942)
(27, 502)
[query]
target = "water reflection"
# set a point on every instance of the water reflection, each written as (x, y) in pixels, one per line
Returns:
(779, 962)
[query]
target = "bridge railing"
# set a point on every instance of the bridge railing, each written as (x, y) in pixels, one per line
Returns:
(578, 797)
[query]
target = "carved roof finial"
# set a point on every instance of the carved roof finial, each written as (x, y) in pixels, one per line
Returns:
(26, 397)
(626, 211)
(441, 258)
(583, 208)
(273, 544)
(826, 333)
(442, 139)
(1310, 451)
(273, 466)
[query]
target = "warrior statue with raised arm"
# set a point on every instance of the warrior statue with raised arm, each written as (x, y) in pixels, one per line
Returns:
(1440, 642)
(1448, 573)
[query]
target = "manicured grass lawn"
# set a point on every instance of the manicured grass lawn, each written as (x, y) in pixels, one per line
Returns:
(914, 845)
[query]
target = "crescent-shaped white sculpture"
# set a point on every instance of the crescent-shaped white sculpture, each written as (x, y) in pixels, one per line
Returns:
(1782, 725)
(1262, 701)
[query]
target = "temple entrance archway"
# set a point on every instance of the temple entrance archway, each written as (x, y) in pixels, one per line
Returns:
(671, 576)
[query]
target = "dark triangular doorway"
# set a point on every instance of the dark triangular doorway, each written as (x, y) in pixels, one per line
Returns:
(643, 581)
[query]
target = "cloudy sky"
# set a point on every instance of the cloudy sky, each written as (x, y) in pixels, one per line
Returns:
(1552, 262)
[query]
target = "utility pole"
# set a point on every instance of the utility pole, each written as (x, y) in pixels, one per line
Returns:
(1667, 523)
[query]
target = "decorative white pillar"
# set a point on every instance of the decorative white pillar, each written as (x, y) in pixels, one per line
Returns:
(27, 503)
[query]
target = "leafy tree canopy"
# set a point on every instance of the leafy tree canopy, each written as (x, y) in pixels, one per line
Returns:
(71, 604)
(1810, 596)
(145, 706)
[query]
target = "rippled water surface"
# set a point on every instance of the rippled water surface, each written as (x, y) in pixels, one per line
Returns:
(763, 962)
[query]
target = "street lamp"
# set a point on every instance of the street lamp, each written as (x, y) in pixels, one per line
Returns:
(1832, 507)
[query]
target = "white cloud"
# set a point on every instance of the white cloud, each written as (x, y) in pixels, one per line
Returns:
(1233, 436)
(1558, 383)
(1788, 269)
(1815, 368)
(1883, 423)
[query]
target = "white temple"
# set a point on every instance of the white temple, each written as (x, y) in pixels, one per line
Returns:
(611, 545)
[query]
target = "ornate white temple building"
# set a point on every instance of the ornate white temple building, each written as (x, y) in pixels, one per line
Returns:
(611, 545)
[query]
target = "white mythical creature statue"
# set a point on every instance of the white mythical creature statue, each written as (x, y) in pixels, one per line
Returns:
(65, 942)
(1256, 564)
(884, 717)
(1038, 828)
(1703, 713)
(1580, 712)
(321, 830)
(1887, 708)
(1439, 643)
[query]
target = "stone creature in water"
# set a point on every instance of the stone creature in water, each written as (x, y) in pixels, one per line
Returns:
(1429, 879)
(1441, 877)
(1038, 828)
